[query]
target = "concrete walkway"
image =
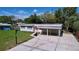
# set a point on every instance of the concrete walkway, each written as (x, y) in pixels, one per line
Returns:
(49, 43)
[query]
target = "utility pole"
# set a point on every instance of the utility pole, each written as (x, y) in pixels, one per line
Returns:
(16, 30)
(16, 36)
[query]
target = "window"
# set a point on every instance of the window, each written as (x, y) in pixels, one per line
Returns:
(23, 27)
(29, 27)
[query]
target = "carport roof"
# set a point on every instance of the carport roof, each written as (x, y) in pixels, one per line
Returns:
(49, 26)
(43, 26)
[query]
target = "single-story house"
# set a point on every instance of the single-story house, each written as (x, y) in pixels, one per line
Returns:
(46, 28)
(5, 26)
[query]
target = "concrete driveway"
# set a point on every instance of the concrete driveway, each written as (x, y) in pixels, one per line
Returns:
(49, 43)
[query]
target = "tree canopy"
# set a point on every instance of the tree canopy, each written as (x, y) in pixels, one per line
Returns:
(33, 19)
(6, 19)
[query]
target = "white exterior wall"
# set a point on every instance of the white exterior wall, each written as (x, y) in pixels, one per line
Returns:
(26, 29)
(31, 27)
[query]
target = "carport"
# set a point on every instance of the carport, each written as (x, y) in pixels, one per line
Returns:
(57, 27)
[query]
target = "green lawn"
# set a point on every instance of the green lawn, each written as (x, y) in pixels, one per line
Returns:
(23, 36)
(7, 38)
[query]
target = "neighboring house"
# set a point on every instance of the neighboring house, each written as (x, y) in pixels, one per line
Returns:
(41, 27)
(26, 27)
(5, 26)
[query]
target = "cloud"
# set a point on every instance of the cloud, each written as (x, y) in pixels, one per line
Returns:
(35, 10)
(6, 13)
(40, 13)
(21, 12)
(21, 16)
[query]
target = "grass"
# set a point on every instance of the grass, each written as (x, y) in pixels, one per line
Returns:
(23, 36)
(7, 38)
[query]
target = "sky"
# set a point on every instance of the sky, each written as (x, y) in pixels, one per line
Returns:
(23, 12)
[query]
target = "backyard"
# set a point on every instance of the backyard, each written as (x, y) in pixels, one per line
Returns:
(7, 38)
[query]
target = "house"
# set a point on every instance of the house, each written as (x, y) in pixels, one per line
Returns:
(44, 28)
(5, 26)
(26, 27)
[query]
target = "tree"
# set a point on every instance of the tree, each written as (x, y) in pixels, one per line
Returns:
(19, 20)
(59, 16)
(6, 19)
(69, 15)
(66, 16)
(76, 26)
(48, 18)
(27, 20)
(33, 19)
(69, 11)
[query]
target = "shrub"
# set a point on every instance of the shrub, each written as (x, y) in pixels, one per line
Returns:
(76, 26)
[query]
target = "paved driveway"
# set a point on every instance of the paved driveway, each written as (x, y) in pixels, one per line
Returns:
(49, 43)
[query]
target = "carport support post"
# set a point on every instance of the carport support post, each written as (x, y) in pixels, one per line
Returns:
(47, 31)
(59, 32)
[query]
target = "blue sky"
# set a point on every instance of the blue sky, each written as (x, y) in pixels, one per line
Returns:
(23, 12)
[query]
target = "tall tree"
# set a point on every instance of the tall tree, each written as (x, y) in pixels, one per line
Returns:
(6, 19)
(48, 18)
(19, 20)
(64, 15)
(69, 15)
(33, 19)
(59, 16)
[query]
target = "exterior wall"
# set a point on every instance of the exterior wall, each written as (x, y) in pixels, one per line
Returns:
(5, 28)
(44, 28)
(26, 29)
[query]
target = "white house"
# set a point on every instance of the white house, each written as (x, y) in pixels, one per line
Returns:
(26, 27)
(40, 27)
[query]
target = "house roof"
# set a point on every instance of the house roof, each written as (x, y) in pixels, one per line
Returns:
(23, 24)
(5, 24)
(50, 26)
(43, 26)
